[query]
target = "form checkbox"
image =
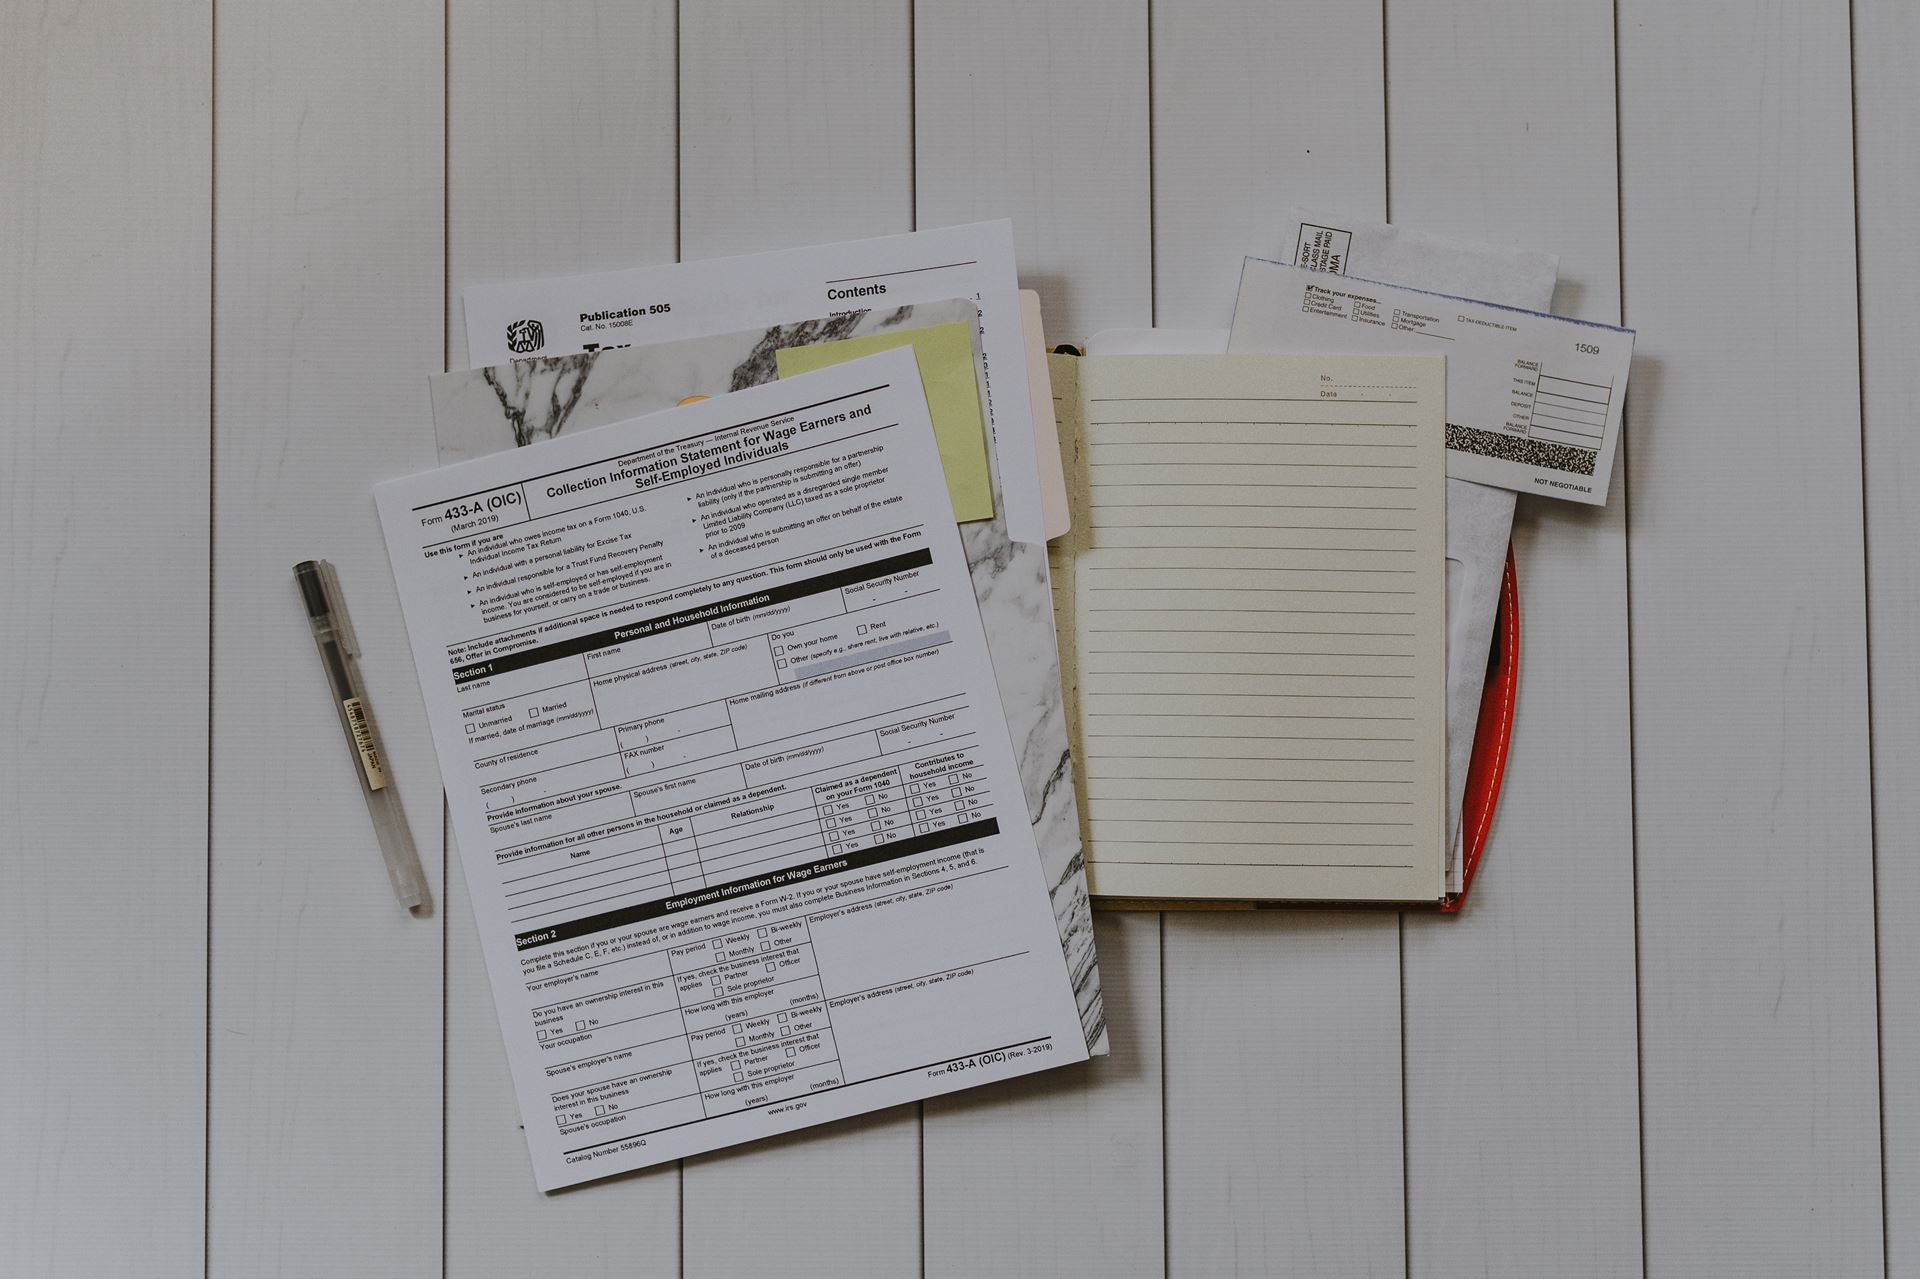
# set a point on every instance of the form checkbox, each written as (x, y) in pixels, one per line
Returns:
(777, 650)
(779, 663)
(760, 932)
(739, 1041)
(860, 630)
(766, 945)
(539, 1034)
(739, 1028)
(786, 1030)
(472, 727)
(559, 1121)
(533, 712)
(924, 828)
(599, 1110)
(579, 1025)
(738, 1077)
(769, 967)
(875, 825)
(783, 1016)
(789, 1052)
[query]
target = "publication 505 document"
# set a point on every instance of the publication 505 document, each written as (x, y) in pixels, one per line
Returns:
(673, 301)
(728, 771)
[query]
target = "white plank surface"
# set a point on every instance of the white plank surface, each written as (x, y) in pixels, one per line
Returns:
(1283, 1095)
(1523, 1124)
(1886, 47)
(795, 127)
(562, 147)
(1256, 108)
(105, 146)
(1060, 1173)
(796, 123)
(1310, 1114)
(1284, 1141)
(1758, 1047)
(561, 158)
(1039, 113)
(325, 1124)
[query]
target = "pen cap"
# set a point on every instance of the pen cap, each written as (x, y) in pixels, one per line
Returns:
(320, 592)
(306, 575)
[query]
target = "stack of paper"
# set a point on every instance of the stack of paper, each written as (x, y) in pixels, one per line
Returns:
(800, 668)
(753, 676)
(1306, 315)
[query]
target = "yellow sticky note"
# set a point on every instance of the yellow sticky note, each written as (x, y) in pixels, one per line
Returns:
(945, 355)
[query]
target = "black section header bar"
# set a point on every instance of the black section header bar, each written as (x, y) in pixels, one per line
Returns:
(753, 885)
(694, 616)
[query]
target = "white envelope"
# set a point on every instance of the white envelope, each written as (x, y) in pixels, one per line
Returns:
(1534, 401)
(1377, 251)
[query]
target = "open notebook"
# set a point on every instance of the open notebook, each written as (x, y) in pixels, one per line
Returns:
(1252, 609)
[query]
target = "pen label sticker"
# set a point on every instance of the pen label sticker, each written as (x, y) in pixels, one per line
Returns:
(370, 761)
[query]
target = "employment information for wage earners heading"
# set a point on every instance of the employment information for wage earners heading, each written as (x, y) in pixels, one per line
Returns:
(728, 771)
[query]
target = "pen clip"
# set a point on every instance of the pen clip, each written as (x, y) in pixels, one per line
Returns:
(320, 592)
(337, 614)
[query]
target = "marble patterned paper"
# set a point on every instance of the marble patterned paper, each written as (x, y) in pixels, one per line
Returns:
(481, 411)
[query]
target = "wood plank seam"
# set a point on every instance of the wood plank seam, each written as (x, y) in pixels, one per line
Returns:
(1887, 1252)
(1626, 505)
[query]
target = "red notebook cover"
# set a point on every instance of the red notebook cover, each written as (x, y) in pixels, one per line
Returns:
(1492, 737)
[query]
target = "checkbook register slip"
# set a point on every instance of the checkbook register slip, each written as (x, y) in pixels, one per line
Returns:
(1252, 609)
(1534, 401)
(728, 771)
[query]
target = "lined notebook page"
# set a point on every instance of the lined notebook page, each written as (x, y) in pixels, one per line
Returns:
(1255, 588)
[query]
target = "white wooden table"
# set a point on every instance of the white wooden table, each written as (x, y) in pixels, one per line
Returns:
(1677, 1031)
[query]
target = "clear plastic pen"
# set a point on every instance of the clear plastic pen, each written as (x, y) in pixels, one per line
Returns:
(333, 636)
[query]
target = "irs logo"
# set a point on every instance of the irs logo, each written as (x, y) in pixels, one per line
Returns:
(526, 336)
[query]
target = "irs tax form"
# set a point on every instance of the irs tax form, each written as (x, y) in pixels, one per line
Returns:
(479, 411)
(728, 771)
